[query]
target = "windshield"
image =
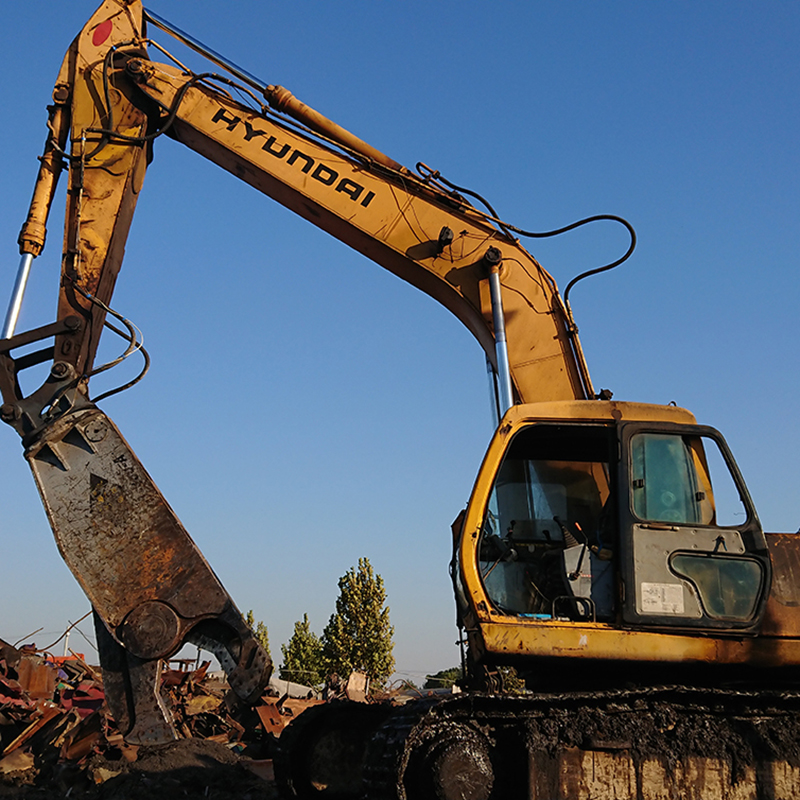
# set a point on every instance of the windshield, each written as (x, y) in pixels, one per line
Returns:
(552, 473)
(552, 492)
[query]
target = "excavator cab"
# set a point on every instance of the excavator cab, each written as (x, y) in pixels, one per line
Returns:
(607, 517)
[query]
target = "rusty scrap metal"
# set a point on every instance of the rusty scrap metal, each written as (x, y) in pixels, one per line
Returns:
(73, 730)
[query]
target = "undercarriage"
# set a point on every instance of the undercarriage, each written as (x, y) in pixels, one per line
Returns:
(642, 744)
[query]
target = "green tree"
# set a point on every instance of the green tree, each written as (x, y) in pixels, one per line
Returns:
(302, 656)
(259, 630)
(359, 636)
(444, 679)
(512, 683)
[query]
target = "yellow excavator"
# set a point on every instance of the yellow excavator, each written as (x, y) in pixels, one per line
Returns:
(610, 551)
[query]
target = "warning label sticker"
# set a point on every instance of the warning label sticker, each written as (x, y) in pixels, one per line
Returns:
(662, 598)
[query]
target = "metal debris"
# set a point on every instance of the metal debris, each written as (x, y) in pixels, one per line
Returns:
(56, 728)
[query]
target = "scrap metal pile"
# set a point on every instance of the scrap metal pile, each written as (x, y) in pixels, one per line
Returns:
(57, 738)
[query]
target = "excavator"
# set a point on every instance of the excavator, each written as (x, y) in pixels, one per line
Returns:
(610, 552)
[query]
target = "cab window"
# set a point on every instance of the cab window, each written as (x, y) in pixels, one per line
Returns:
(683, 479)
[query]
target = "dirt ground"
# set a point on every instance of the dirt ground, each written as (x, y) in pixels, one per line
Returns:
(189, 768)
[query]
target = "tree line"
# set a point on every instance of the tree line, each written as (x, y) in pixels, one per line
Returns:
(358, 636)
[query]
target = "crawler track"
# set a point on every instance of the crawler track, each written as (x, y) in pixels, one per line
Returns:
(692, 743)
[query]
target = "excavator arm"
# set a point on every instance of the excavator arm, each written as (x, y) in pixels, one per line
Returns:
(150, 586)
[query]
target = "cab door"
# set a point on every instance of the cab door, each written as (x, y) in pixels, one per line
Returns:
(693, 551)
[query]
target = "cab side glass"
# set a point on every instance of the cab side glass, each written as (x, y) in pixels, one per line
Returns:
(683, 479)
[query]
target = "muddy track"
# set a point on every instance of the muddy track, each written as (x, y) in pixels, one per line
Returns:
(738, 731)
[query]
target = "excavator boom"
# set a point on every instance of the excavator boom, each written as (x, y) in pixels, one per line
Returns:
(118, 102)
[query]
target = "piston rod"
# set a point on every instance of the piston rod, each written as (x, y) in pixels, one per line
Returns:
(212, 55)
(505, 390)
(12, 315)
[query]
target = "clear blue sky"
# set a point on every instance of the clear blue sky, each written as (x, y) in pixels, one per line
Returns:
(304, 408)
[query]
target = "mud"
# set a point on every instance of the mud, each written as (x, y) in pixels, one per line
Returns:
(739, 730)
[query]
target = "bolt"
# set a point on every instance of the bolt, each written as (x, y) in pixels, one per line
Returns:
(135, 66)
(8, 412)
(59, 370)
(492, 257)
